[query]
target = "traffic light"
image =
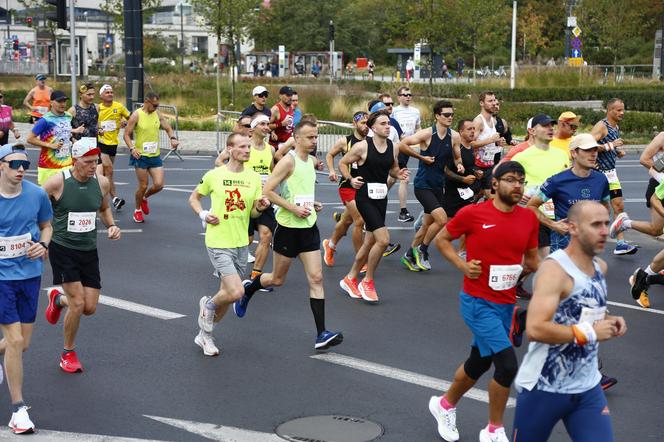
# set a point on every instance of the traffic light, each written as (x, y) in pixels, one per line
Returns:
(60, 15)
(28, 21)
(331, 31)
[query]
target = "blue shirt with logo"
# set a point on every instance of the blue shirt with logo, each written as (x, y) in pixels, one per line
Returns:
(566, 188)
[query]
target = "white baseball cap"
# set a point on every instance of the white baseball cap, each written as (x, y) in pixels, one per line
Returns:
(104, 88)
(85, 147)
(258, 90)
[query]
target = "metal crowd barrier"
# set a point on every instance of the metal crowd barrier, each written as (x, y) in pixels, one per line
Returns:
(171, 113)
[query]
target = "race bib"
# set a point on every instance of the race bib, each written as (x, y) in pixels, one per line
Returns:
(489, 153)
(658, 176)
(41, 109)
(14, 246)
(548, 209)
(612, 176)
(306, 201)
(63, 152)
(591, 315)
(108, 126)
(353, 166)
(504, 277)
(377, 191)
(81, 222)
(150, 147)
(465, 193)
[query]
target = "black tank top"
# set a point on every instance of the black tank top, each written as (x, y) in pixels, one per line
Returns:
(376, 167)
(85, 117)
(432, 176)
(468, 161)
(350, 141)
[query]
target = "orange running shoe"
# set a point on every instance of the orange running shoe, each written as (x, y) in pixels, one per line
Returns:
(328, 255)
(350, 287)
(368, 291)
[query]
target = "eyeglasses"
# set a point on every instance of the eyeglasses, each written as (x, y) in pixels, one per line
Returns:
(406, 95)
(446, 114)
(17, 164)
(513, 181)
(263, 95)
(389, 104)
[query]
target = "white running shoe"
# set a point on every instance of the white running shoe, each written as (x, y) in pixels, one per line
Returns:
(446, 420)
(20, 422)
(206, 342)
(497, 436)
(251, 258)
(205, 316)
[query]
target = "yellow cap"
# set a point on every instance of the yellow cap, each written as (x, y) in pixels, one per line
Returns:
(569, 116)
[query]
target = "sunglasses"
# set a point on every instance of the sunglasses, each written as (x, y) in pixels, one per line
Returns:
(389, 104)
(2, 96)
(573, 126)
(17, 164)
(446, 114)
(248, 126)
(263, 95)
(406, 95)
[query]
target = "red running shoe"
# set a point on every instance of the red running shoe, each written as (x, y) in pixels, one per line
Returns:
(144, 206)
(53, 310)
(69, 362)
(138, 216)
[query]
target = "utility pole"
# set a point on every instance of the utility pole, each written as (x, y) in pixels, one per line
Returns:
(568, 28)
(513, 57)
(181, 5)
(661, 53)
(72, 44)
(331, 36)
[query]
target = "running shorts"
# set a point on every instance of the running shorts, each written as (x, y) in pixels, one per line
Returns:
(290, 242)
(109, 150)
(44, 173)
(489, 322)
(402, 160)
(70, 265)
(266, 219)
(373, 212)
(347, 194)
(431, 199)
(144, 162)
(652, 185)
(227, 262)
(19, 300)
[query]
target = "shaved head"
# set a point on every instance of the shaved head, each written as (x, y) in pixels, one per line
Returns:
(581, 209)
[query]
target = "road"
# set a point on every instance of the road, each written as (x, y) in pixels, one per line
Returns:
(145, 378)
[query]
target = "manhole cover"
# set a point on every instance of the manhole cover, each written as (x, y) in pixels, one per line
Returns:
(329, 429)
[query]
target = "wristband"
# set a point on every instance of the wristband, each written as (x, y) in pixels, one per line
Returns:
(609, 146)
(584, 333)
(203, 214)
(44, 245)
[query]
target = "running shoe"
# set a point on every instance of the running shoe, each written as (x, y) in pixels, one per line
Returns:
(419, 221)
(240, 307)
(410, 263)
(251, 258)
(421, 259)
(20, 422)
(118, 203)
(497, 436)
(368, 291)
(206, 342)
(517, 326)
(328, 256)
(624, 248)
(69, 362)
(145, 207)
(350, 287)
(446, 419)
(522, 293)
(391, 248)
(337, 216)
(607, 382)
(205, 315)
(639, 284)
(138, 216)
(327, 339)
(53, 311)
(405, 217)
(644, 300)
(618, 224)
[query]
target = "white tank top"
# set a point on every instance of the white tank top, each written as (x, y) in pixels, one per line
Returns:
(486, 153)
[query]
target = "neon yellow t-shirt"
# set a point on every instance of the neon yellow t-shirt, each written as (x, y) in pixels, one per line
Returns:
(541, 164)
(110, 119)
(232, 195)
(562, 144)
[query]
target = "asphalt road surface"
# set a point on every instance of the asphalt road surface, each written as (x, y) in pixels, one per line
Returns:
(145, 378)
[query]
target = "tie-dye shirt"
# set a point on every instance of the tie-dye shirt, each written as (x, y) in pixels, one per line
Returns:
(52, 128)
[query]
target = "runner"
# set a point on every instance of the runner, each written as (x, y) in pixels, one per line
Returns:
(540, 163)
(25, 231)
(145, 152)
(580, 182)
(607, 133)
(641, 280)
(112, 116)
(242, 127)
(296, 233)
(38, 100)
(488, 142)
(235, 192)
(410, 121)
(528, 142)
(350, 215)
(77, 195)
(568, 123)
(376, 161)
(260, 95)
(6, 122)
(559, 377)
(85, 113)
(53, 134)
(281, 121)
(438, 144)
(491, 272)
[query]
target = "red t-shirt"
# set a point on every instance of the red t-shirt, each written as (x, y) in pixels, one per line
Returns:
(499, 240)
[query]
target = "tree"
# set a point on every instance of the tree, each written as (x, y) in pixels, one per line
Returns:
(115, 9)
(530, 30)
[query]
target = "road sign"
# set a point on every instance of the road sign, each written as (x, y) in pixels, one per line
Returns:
(575, 61)
(571, 22)
(576, 43)
(576, 53)
(576, 31)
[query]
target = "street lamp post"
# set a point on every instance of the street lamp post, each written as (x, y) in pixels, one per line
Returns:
(181, 38)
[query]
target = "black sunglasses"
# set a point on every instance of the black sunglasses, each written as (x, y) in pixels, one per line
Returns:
(446, 114)
(17, 164)
(263, 94)
(406, 95)
(389, 104)
(248, 126)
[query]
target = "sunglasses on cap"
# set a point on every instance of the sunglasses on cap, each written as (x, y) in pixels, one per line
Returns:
(17, 164)
(86, 87)
(263, 94)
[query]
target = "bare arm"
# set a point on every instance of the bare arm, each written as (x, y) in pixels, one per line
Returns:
(649, 152)
(28, 98)
(284, 149)
(36, 250)
(421, 138)
(129, 130)
(599, 131)
(479, 126)
(357, 154)
(105, 210)
(338, 147)
(35, 141)
(72, 111)
(559, 226)
(163, 123)
(656, 204)
(53, 186)
(472, 269)
(274, 117)
(195, 204)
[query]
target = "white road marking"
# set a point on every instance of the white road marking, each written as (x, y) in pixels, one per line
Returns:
(131, 306)
(218, 432)
(402, 375)
(177, 190)
(636, 307)
(634, 200)
(50, 435)
(402, 227)
(182, 185)
(123, 230)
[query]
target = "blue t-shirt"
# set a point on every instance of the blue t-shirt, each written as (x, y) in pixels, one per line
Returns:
(19, 216)
(394, 123)
(565, 189)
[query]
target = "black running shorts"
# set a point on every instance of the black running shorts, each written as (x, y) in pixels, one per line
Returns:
(372, 211)
(290, 242)
(71, 265)
(431, 199)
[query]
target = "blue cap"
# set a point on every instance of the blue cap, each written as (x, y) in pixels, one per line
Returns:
(378, 106)
(9, 149)
(40, 77)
